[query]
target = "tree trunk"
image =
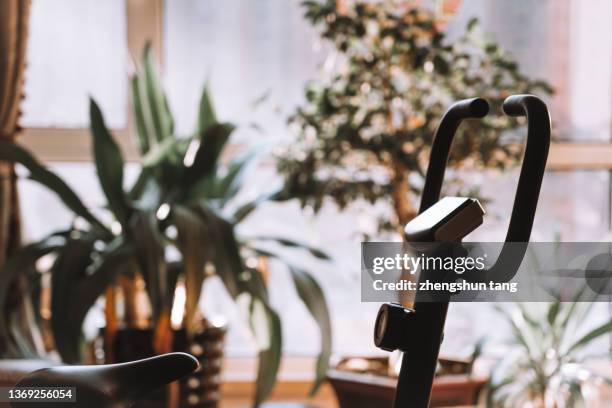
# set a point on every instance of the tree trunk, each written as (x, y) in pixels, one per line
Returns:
(404, 210)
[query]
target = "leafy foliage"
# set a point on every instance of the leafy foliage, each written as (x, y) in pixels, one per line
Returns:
(185, 198)
(548, 344)
(366, 128)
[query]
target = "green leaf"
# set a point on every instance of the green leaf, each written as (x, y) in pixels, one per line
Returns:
(109, 164)
(145, 236)
(160, 152)
(312, 295)
(248, 289)
(231, 183)
(590, 336)
(294, 244)
(206, 112)
(266, 327)
(270, 353)
(69, 267)
(472, 24)
(195, 246)
(144, 144)
(202, 156)
(76, 284)
(246, 209)
(22, 261)
(13, 153)
(553, 312)
(227, 258)
(159, 112)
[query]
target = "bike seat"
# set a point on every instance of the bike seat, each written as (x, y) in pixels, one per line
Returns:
(112, 385)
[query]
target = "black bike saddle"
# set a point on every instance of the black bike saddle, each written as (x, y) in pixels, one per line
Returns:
(112, 385)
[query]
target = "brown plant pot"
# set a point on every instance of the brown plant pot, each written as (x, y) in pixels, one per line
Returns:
(199, 389)
(367, 389)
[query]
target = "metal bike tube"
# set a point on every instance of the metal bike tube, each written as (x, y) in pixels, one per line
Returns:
(418, 368)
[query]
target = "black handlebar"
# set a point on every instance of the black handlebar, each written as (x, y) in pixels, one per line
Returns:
(534, 163)
(443, 139)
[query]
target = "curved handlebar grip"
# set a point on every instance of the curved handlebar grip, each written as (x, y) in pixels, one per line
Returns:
(460, 110)
(528, 188)
(534, 163)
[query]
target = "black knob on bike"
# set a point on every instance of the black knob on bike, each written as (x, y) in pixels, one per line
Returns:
(390, 330)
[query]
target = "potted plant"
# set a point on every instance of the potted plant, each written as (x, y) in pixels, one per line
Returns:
(366, 127)
(544, 361)
(186, 199)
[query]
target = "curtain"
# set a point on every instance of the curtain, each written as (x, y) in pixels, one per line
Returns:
(14, 15)
(13, 35)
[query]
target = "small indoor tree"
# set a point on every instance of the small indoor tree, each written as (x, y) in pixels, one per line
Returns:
(365, 129)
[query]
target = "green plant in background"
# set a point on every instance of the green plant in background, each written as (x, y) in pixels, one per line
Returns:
(185, 198)
(365, 129)
(548, 346)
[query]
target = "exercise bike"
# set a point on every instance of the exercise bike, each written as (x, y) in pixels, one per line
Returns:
(418, 331)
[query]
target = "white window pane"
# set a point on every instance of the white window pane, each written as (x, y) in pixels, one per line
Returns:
(245, 49)
(76, 48)
(573, 205)
(567, 43)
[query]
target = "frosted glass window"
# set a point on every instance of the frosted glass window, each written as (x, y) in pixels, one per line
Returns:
(245, 49)
(573, 205)
(76, 48)
(567, 43)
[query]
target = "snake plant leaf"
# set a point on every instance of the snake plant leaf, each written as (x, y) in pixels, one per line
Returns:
(159, 115)
(14, 153)
(202, 156)
(20, 262)
(206, 112)
(146, 238)
(195, 246)
(316, 252)
(109, 165)
(312, 295)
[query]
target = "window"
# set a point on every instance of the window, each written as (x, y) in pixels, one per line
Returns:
(70, 58)
(251, 49)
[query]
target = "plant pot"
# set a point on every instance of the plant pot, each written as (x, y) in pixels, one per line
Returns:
(199, 389)
(374, 389)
